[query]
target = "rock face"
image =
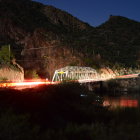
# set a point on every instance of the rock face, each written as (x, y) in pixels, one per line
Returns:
(44, 38)
(107, 73)
(36, 38)
(130, 84)
(126, 85)
(11, 75)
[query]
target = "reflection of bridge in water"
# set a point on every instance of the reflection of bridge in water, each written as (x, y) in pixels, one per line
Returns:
(81, 74)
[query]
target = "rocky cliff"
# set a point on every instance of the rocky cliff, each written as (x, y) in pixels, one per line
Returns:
(10, 74)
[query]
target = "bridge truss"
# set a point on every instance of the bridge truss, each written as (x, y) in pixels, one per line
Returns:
(74, 73)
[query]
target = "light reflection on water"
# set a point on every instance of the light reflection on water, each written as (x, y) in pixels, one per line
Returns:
(122, 102)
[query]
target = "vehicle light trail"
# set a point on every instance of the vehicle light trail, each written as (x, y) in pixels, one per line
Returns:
(35, 83)
(24, 84)
(128, 76)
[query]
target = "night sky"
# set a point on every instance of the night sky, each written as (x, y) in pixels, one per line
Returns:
(96, 12)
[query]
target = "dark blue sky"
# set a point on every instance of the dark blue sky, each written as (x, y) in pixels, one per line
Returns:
(95, 12)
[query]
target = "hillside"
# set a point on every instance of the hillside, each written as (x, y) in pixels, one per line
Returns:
(122, 40)
(44, 38)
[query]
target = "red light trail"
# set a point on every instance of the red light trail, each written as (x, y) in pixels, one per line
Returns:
(24, 84)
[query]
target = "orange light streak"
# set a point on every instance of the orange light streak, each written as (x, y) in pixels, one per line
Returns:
(113, 103)
(18, 84)
(129, 103)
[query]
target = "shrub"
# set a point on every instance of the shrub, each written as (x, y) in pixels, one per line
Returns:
(16, 127)
(31, 74)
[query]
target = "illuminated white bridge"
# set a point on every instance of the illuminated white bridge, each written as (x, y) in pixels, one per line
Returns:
(81, 74)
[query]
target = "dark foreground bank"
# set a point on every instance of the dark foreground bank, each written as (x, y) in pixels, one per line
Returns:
(59, 112)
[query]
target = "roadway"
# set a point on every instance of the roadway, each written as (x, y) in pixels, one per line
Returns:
(35, 83)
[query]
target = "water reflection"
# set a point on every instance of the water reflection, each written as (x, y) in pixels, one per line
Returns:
(123, 101)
